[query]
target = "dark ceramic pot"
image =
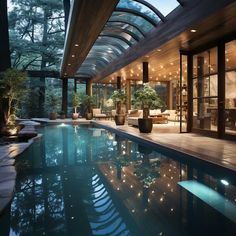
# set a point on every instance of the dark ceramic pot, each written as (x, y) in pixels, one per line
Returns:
(145, 125)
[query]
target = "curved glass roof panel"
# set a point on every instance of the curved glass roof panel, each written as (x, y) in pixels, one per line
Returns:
(107, 44)
(106, 48)
(130, 4)
(165, 7)
(112, 39)
(119, 33)
(137, 20)
(128, 27)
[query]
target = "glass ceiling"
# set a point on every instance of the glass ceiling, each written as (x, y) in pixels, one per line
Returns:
(129, 23)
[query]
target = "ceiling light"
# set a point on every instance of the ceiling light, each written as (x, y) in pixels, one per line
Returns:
(69, 64)
(159, 50)
(193, 30)
(76, 45)
(73, 55)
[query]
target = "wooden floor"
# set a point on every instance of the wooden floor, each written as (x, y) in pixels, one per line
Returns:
(220, 152)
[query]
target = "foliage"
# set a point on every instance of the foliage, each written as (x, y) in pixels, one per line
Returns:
(53, 101)
(146, 97)
(119, 96)
(88, 102)
(36, 30)
(75, 101)
(12, 89)
(108, 105)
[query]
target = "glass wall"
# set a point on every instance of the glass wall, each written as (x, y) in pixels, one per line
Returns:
(102, 93)
(230, 88)
(205, 90)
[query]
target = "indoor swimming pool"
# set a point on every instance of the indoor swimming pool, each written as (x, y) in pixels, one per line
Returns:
(85, 180)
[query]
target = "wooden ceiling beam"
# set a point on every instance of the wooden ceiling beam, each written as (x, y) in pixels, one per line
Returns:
(87, 19)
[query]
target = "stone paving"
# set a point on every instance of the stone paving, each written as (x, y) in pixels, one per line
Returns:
(8, 153)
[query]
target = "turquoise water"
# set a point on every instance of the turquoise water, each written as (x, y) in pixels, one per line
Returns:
(83, 180)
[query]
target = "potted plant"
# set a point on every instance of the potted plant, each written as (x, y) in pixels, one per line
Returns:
(146, 98)
(89, 103)
(62, 115)
(119, 97)
(12, 89)
(52, 101)
(75, 103)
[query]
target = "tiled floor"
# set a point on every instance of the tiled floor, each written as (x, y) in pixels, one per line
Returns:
(220, 152)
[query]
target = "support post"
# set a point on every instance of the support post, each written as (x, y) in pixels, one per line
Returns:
(145, 72)
(89, 87)
(118, 82)
(75, 85)
(64, 94)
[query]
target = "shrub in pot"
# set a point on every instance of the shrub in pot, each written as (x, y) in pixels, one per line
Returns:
(119, 97)
(146, 98)
(89, 103)
(76, 104)
(52, 101)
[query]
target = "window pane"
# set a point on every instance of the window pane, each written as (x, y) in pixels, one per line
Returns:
(130, 4)
(205, 113)
(165, 7)
(230, 88)
(133, 19)
(126, 27)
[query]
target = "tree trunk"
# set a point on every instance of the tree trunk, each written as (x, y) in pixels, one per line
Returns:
(5, 60)
(43, 65)
(118, 107)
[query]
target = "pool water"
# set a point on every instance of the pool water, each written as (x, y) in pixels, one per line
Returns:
(83, 180)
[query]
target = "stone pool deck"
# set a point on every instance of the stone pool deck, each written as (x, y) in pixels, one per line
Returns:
(8, 153)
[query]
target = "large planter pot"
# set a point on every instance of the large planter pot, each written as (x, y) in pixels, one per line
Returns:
(62, 116)
(120, 119)
(145, 125)
(75, 116)
(89, 116)
(53, 116)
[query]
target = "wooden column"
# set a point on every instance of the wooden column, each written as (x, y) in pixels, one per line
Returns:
(128, 92)
(221, 89)
(145, 72)
(75, 85)
(64, 94)
(118, 82)
(89, 87)
(5, 60)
